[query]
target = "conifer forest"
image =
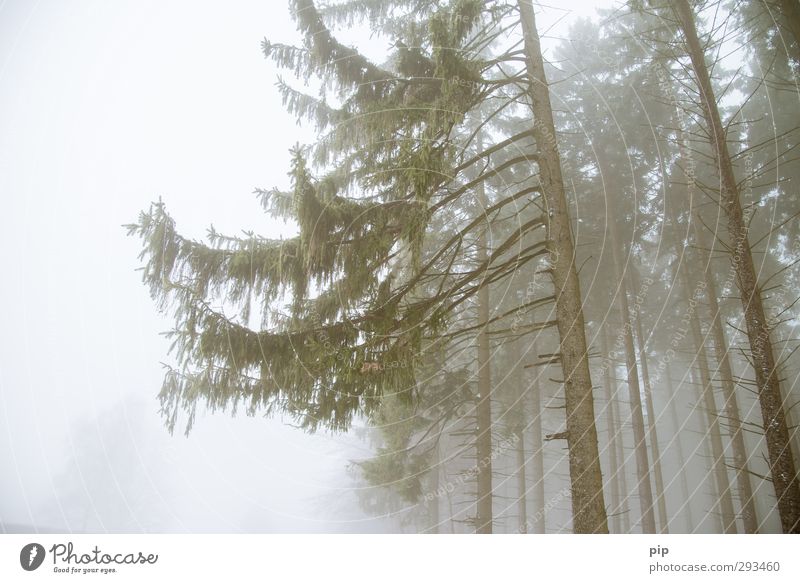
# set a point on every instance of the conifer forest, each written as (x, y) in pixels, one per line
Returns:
(543, 272)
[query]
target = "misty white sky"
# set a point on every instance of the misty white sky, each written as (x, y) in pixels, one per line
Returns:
(104, 107)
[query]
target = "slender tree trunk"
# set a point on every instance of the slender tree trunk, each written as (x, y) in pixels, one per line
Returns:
(483, 407)
(708, 477)
(450, 511)
(724, 501)
(588, 506)
(637, 421)
(731, 407)
(433, 509)
(615, 468)
(518, 420)
(634, 391)
(522, 488)
(684, 483)
(782, 465)
(652, 432)
(537, 444)
(623, 476)
(534, 404)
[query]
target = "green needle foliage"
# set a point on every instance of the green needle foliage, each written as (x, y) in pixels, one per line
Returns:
(345, 292)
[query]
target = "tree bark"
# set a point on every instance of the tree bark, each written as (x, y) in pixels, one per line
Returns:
(522, 488)
(518, 420)
(634, 391)
(673, 411)
(724, 501)
(781, 461)
(623, 476)
(616, 470)
(652, 433)
(537, 444)
(731, 406)
(483, 402)
(450, 511)
(588, 505)
(433, 505)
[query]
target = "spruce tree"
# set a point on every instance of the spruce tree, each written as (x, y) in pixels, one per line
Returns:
(782, 465)
(297, 325)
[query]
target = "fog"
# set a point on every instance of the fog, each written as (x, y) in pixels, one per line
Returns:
(106, 107)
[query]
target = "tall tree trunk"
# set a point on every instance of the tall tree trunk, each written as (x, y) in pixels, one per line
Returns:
(483, 406)
(522, 488)
(709, 478)
(724, 501)
(450, 510)
(684, 483)
(723, 486)
(637, 422)
(782, 464)
(623, 476)
(433, 506)
(731, 406)
(634, 391)
(614, 428)
(518, 419)
(588, 505)
(652, 433)
(539, 524)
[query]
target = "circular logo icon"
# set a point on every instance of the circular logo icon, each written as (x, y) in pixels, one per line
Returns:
(31, 556)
